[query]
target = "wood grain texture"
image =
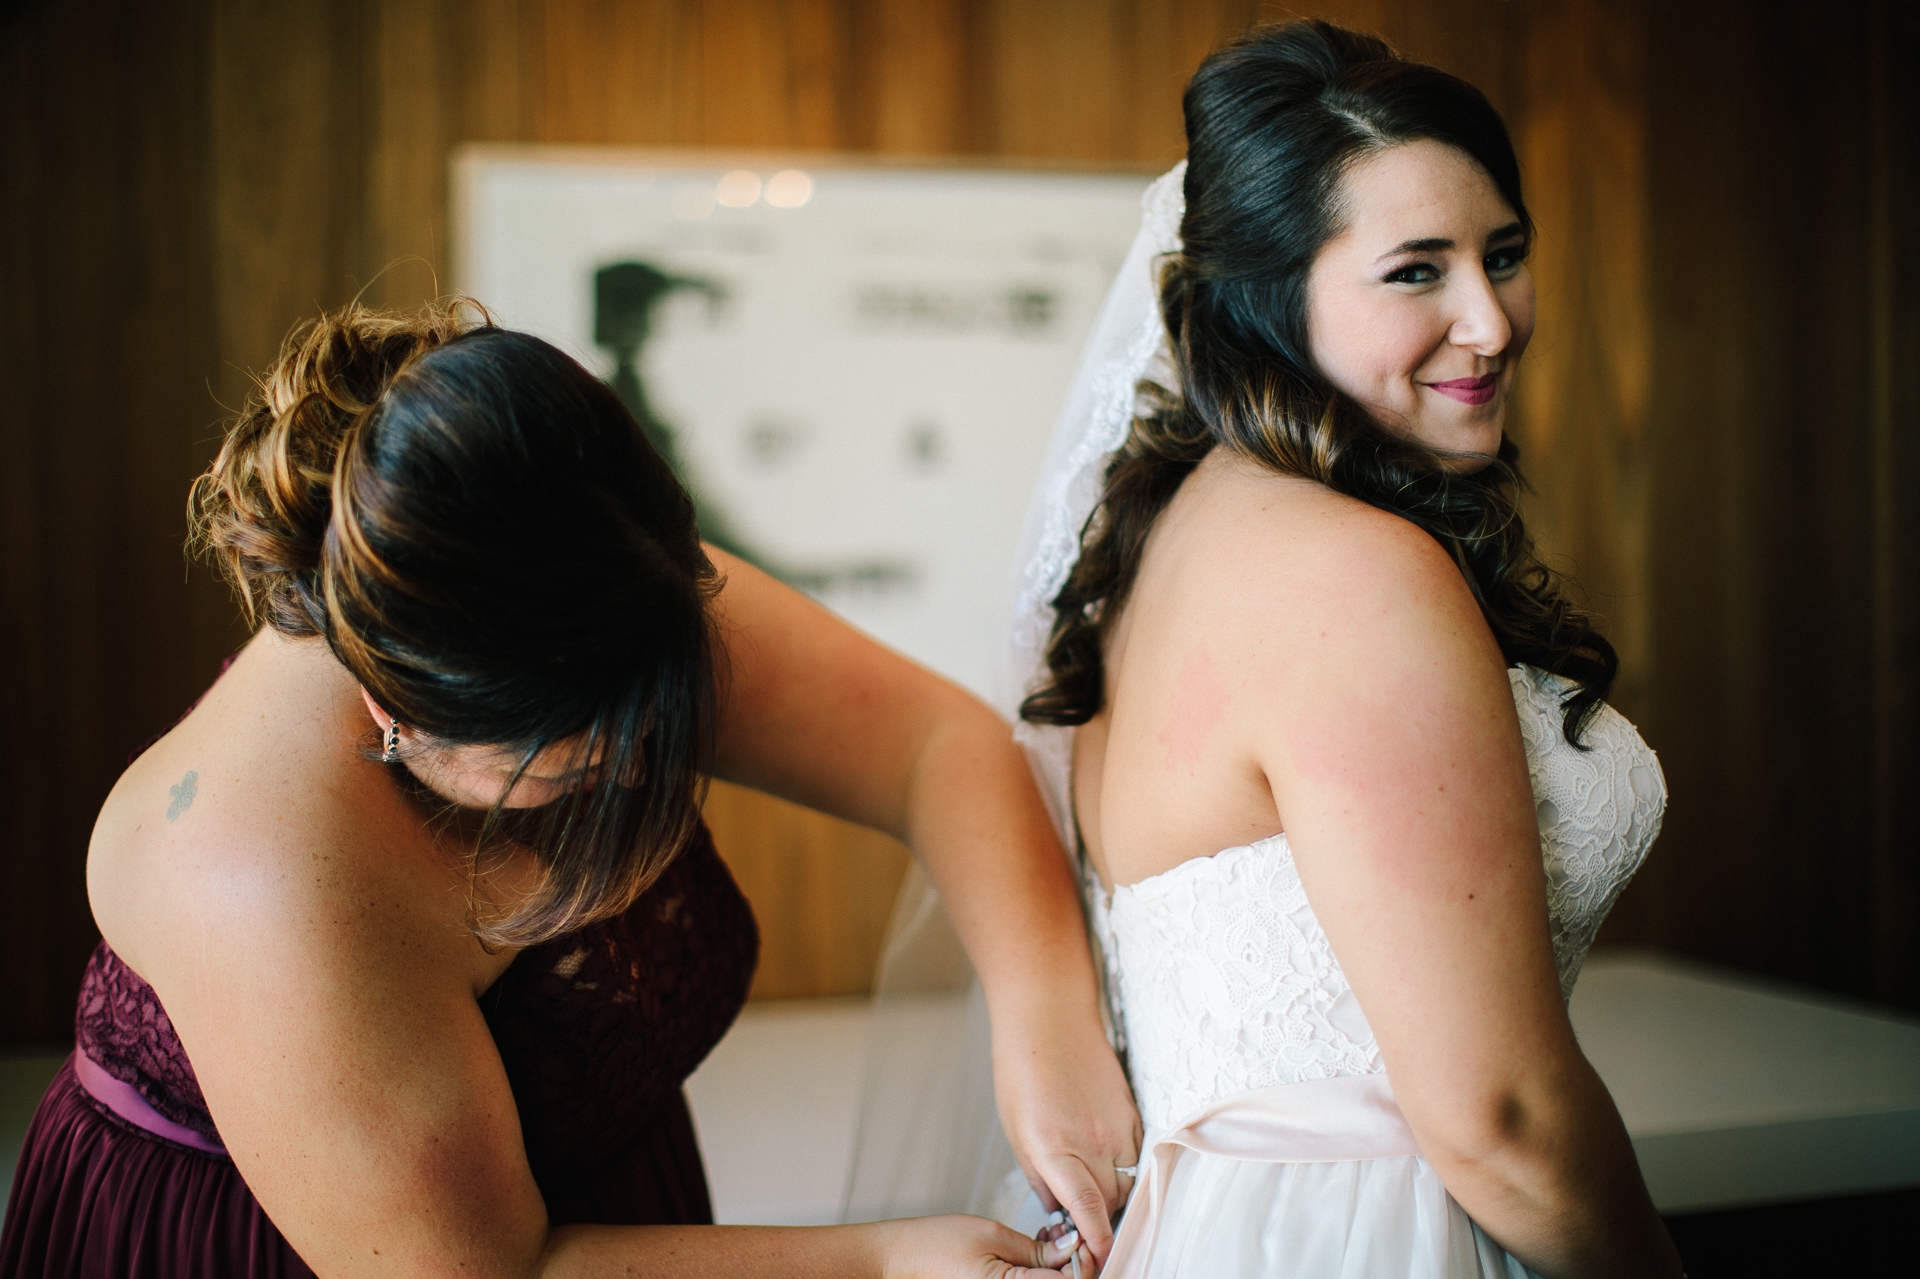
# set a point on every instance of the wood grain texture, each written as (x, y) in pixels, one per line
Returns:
(1893, 262)
(913, 77)
(1764, 582)
(107, 345)
(1582, 398)
(821, 889)
(285, 114)
(1719, 414)
(1059, 85)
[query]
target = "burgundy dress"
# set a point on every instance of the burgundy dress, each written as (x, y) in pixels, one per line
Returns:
(597, 1030)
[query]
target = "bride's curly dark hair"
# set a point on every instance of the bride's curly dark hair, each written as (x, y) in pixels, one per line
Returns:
(1273, 120)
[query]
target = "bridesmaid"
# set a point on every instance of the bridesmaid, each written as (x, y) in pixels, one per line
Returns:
(412, 929)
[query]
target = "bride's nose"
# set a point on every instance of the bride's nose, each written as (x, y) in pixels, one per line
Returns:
(1479, 322)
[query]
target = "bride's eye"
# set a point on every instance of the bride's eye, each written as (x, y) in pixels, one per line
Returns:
(1414, 273)
(1502, 264)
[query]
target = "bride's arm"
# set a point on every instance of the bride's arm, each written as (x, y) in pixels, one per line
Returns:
(1388, 734)
(820, 714)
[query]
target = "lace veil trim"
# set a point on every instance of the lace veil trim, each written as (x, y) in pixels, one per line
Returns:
(929, 1138)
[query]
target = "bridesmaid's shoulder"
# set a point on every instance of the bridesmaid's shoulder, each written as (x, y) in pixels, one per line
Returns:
(256, 816)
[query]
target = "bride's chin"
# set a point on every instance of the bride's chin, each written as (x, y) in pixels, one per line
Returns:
(1468, 452)
(1469, 463)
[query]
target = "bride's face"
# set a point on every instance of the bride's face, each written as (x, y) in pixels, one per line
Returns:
(1422, 306)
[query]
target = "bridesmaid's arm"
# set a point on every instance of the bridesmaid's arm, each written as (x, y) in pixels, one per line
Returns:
(820, 714)
(328, 1003)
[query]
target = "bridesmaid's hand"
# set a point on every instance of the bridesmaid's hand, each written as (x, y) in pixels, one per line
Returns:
(1069, 1116)
(966, 1248)
(819, 714)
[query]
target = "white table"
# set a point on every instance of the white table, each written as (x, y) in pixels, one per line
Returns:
(1738, 1091)
(775, 1105)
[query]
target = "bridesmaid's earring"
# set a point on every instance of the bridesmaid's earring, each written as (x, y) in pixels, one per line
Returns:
(390, 745)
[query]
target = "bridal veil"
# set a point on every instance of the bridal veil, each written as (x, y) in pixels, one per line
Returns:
(929, 1137)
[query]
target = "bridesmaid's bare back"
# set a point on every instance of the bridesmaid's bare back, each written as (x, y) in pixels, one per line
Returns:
(263, 789)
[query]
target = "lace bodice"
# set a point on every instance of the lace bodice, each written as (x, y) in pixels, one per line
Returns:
(1222, 980)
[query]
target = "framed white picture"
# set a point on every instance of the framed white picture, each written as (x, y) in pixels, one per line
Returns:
(855, 367)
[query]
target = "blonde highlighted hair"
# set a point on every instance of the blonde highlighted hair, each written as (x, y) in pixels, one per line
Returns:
(484, 537)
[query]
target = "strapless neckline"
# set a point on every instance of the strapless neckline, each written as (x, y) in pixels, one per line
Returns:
(1241, 1033)
(1166, 879)
(1221, 979)
(596, 1028)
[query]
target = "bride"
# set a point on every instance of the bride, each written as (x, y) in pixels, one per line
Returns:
(1304, 624)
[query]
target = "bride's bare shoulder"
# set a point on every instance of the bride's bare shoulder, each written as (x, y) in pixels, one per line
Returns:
(1279, 543)
(1306, 600)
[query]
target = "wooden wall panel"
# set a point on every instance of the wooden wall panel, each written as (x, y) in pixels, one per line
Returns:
(437, 73)
(761, 74)
(107, 345)
(1059, 80)
(1893, 262)
(822, 891)
(285, 101)
(408, 75)
(1764, 575)
(1581, 130)
(1169, 41)
(619, 73)
(914, 78)
(772, 73)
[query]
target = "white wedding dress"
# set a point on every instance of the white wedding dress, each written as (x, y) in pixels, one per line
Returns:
(1273, 1145)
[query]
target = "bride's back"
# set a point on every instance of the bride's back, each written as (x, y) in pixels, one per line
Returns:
(1249, 582)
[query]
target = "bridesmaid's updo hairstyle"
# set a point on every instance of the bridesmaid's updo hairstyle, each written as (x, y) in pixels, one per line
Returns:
(486, 540)
(1273, 122)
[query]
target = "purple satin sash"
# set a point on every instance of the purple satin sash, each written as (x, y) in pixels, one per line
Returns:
(124, 1100)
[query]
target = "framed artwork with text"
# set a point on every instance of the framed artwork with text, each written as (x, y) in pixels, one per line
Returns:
(855, 367)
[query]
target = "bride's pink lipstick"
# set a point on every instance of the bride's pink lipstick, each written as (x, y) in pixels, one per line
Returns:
(1469, 390)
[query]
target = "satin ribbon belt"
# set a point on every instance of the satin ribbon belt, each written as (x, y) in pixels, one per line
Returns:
(124, 1100)
(1321, 1121)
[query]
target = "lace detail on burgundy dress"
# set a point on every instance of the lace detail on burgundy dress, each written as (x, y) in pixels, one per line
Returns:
(121, 1025)
(598, 1029)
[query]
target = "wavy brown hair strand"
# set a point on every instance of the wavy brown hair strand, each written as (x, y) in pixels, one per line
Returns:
(1273, 121)
(483, 536)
